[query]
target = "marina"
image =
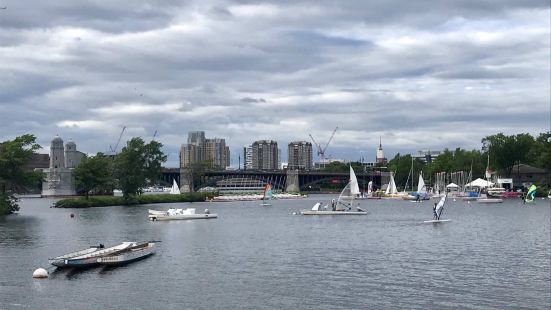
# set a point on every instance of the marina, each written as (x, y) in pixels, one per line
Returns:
(488, 256)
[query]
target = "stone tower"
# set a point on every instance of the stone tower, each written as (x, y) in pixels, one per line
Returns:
(57, 158)
(71, 160)
(59, 179)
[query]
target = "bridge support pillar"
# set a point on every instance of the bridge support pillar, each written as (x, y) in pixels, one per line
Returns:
(292, 184)
(186, 180)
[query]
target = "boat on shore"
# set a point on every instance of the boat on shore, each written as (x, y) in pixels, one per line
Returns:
(179, 214)
(128, 255)
(89, 259)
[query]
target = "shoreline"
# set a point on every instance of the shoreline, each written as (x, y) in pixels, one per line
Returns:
(110, 201)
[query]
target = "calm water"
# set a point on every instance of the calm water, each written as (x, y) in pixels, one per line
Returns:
(253, 257)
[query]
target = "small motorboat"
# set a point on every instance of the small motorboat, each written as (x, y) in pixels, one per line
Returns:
(59, 261)
(128, 255)
(179, 214)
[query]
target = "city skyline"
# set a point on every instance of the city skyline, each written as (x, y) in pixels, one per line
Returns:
(428, 75)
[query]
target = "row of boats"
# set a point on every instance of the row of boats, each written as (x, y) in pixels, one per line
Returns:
(120, 254)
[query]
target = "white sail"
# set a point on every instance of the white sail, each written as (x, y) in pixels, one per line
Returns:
(421, 188)
(354, 188)
(391, 188)
(440, 206)
(369, 188)
(175, 190)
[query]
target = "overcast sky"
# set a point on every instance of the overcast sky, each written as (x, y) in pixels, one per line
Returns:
(420, 74)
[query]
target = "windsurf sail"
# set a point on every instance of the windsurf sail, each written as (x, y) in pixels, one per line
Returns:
(267, 192)
(531, 195)
(440, 207)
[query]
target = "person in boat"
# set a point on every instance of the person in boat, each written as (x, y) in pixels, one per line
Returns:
(418, 197)
(435, 216)
(333, 205)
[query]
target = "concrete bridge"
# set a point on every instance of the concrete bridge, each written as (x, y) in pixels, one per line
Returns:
(283, 180)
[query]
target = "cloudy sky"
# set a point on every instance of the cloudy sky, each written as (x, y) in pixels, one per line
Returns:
(420, 74)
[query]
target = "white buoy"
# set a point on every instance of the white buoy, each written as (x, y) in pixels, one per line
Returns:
(294, 213)
(40, 273)
(454, 199)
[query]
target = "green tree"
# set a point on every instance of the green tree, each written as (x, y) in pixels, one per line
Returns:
(540, 153)
(14, 156)
(138, 165)
(401, 166)
(506, 151)
(94, 174)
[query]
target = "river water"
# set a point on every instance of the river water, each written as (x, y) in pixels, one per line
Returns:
(253, 257)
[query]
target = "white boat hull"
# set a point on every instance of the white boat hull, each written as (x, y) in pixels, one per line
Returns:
(164, 217)
(311, 212)
(128, 256)
(60, 260)
(91, 259)
(489, 200)
(437, 221)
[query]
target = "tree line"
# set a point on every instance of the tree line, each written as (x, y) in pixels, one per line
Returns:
(503, 152)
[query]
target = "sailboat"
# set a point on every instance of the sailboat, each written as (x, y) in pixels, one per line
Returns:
(421, 193)
(343, 205)
(531, 195)
(174, 190)
(391, 190)
(267, 196)
(487, 174)
(438, 212)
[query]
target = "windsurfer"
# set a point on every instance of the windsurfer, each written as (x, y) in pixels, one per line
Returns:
(435, 216)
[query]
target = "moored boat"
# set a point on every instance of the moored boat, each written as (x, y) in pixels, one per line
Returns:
(128, 255)
(59, 261)
(91, 259)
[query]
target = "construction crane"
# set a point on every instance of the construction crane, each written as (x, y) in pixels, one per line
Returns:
(114, 150)
(321, 150)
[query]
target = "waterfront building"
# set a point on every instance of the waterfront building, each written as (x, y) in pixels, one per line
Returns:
(59, 180)
(200, 150)
(265, 155)
(426, 156)
(248, 156)
(300, 155)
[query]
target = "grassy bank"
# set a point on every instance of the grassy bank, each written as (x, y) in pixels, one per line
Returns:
(107, 201)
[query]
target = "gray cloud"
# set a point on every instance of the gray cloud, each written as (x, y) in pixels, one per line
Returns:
(429, 74)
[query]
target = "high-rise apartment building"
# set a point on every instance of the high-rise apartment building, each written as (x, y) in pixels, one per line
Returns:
(300, 155)
(265, 155)
(248, 157)
(200, 149)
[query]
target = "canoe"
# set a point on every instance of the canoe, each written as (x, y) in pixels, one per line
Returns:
(128, 255)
